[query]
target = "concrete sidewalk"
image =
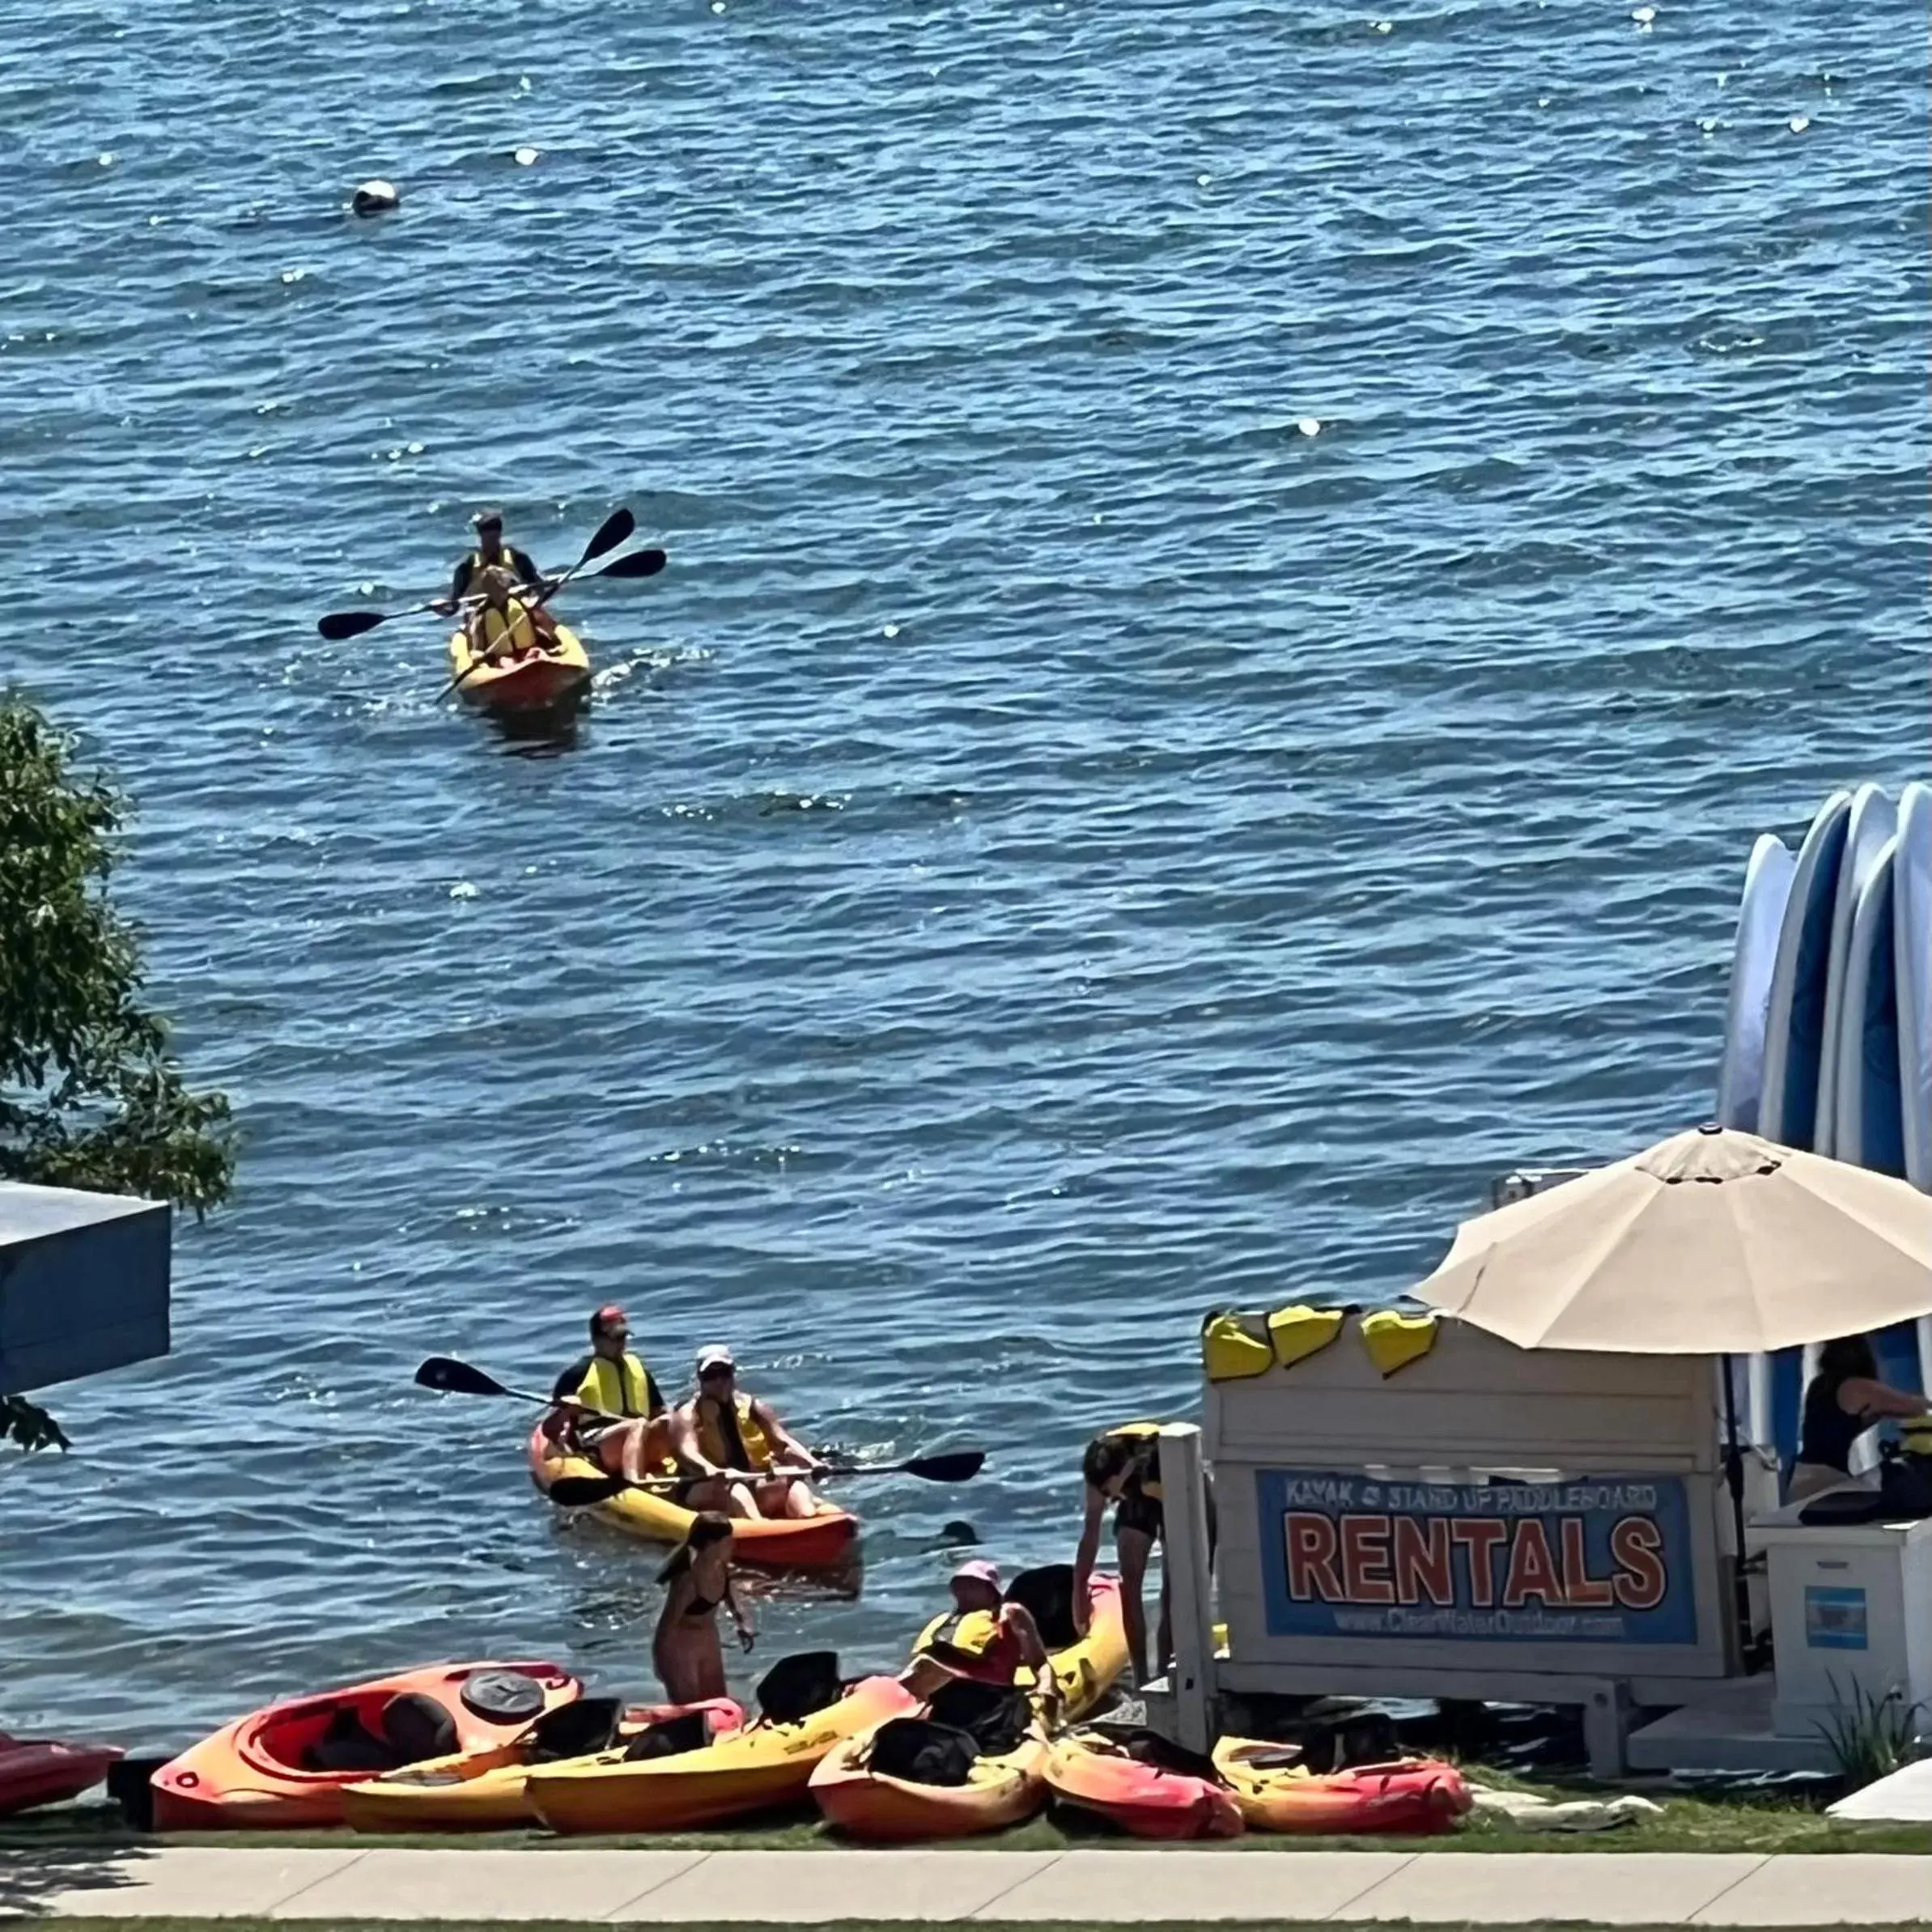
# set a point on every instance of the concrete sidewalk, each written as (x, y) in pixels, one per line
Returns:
(1153, 1883)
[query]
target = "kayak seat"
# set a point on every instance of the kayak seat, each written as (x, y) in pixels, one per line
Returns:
(797, 1687)
(1048, 1595)
(921, 1752)
(574, 1731)
(1150, 1747)
(995, 1716)
(503, 1696)
(410, 1727)
(674, 1736)
(1363, 1738)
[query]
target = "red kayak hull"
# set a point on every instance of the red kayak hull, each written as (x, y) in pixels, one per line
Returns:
(44, 1771)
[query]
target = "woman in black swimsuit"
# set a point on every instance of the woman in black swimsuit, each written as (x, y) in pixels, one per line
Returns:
(1844, 1399)
(688, 1656)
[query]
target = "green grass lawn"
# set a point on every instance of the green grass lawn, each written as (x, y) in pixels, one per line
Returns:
(1688, 1824)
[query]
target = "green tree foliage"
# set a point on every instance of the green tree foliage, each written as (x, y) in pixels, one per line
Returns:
(89, 1097)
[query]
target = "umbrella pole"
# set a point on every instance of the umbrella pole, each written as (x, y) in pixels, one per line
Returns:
(1733, 1478)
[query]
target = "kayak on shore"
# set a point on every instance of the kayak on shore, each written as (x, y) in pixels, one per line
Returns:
(819, 1541)
(485, 1790)
(974, 1760)
(44, 1771)
(804, 1710)
(288, 1764)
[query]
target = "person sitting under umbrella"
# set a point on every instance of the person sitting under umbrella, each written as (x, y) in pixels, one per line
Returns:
(1845, 1399)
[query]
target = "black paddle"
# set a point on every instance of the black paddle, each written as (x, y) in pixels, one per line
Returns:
(638, 563)
(957, 1465)
(451, 1378)
(615, 528)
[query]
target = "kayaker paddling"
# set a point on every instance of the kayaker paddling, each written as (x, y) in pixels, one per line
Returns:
(503, 626)
(685, 1651)
(491, 553)
(983, 1636)
(1121, 1472)
(722, 1437)
(609, 1404)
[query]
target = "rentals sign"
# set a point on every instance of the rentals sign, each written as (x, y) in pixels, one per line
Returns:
(1605, 1560)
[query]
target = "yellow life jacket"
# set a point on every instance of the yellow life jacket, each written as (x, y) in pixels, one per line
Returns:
(616, 1388)
(508, 632)
(969, 1631)
(716, 1431)
(503, 560)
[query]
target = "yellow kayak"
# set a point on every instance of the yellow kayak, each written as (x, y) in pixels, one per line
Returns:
(765, 1766)
(538, 680)
(820, 1542)
(484, 1791)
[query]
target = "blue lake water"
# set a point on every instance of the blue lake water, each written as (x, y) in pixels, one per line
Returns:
(1062, 847)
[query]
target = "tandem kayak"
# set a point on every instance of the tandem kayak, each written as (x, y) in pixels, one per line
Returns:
(289, 1764)
(805, 1712)
(965, 1764)
(1410, 1796)
(484, 1791)
(538, 680)
(44, 1771)
(1145, 1788)
(790, 1543)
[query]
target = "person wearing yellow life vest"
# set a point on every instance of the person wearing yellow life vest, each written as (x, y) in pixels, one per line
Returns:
(610, 1403)
(745, 1461)
(491, 553)
(505, 626)
(1121, 1472)
(984, 1637)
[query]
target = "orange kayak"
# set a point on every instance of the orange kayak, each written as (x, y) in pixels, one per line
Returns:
(1411, 1796)
(858, 1790)
(287, 1764)
(1146, 1799)
(792, 1543)
(538, 681)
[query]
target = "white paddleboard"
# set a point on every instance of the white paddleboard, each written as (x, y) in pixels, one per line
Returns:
(1869, 1130)
(1875, 821)
(1794, 1012)
(1767, 891)
(1911, 947)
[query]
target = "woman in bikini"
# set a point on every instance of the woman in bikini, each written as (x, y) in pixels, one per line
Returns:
(686, 1652)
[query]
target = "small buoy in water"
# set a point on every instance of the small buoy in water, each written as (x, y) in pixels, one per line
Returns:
(375, 198)
(526, 157)
(1309, 426)
(1645, 15)
(1798, 123)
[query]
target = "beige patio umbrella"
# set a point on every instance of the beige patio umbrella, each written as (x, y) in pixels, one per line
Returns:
(1712, 1242)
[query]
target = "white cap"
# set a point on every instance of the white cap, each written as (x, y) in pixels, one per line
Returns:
(717, 1356)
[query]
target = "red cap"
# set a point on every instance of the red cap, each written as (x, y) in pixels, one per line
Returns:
(609, 1316)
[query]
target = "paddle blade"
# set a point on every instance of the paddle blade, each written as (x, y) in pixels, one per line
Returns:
(583, 1491)
(640, 563)
(611, 531)
(456, 1378)
(960, 1466)
(339, 624)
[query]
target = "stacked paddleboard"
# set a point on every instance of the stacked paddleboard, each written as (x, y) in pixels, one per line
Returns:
(1828, 1033)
